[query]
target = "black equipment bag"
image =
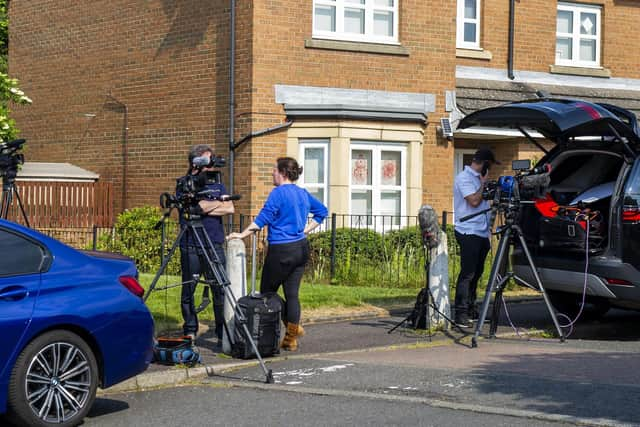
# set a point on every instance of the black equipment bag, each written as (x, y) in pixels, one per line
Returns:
(567, 234)
(262, 315)
(418, 317)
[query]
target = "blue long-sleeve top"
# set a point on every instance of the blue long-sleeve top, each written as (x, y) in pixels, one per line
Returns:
(286, 211)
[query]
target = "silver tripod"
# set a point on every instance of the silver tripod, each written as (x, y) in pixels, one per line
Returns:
(213, 266)
(510, 234)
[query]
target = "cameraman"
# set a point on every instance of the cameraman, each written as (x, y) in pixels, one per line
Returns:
(472, 235)
(191, 262)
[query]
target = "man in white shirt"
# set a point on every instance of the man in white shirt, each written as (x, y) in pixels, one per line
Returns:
(473, 234)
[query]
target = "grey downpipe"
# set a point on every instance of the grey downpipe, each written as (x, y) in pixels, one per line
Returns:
(232, 70)
(512, 9)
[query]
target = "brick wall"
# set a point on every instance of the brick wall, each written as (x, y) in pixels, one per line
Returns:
(164, 63)
(427, 30)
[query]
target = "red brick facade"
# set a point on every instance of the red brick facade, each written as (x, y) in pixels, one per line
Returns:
(124, 87)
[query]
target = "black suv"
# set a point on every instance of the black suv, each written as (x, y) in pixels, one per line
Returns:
(593, 169)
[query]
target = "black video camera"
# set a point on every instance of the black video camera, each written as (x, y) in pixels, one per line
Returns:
(10, 159)
(526, 184)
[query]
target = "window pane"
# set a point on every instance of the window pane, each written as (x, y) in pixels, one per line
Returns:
(383, 24)
(361, 202)
(563, 48)
(384, 3)
(313, 168)
(318, 193)
(326, 18)
(355, 1)
(390, 205)
(361, 167)
(565, 21)
(469, 32)
(354, 21)
(391, 167)
(587, 50)
(470, 9)
(588, 24)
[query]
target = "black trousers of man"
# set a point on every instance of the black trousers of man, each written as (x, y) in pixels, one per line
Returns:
(193, 265)
(473, 252)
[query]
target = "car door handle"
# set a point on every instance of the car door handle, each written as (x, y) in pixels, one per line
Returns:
(13, 293)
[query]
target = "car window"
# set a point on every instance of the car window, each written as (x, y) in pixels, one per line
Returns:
(18, 255)
(633, 184)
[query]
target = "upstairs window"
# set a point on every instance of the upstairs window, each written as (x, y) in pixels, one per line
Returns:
(578, 35)
(373, 21)
(468, 24)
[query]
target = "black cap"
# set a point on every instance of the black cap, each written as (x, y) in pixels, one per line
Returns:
(485, 154)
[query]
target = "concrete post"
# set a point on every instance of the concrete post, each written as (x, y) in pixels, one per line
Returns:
(236, 271)
(439, 283)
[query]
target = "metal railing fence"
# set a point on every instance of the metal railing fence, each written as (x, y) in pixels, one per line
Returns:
(357, 250)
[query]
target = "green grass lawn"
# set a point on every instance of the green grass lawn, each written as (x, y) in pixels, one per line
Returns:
(165, 304)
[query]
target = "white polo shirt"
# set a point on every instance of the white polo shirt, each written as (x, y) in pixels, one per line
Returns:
(466, 183)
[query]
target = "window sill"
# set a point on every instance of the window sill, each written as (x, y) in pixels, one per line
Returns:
(356, 47)
(580, 71)
(474, 54)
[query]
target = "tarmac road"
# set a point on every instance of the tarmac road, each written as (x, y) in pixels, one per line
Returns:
(246, 406)
(354, 372)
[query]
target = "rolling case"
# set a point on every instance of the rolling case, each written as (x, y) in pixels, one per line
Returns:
(261, 313)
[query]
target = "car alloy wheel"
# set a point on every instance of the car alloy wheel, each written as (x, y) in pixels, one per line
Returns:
(54, 380)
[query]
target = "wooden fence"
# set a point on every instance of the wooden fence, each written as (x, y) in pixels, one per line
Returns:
(64, 204)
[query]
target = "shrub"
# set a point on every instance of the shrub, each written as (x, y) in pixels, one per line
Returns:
(350, 243)
(134, 236)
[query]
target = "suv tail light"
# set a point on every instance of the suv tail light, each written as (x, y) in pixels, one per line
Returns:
(619, 282)
(132, 285)
(630, 214)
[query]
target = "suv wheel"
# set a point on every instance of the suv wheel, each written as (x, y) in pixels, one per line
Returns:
(54, 381)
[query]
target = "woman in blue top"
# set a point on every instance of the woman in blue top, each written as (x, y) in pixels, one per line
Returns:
(286, 213)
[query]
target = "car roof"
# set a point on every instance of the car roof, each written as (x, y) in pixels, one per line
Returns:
(558, 119)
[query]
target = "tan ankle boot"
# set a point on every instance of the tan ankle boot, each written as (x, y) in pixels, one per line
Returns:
(290, 341)
(300, 329)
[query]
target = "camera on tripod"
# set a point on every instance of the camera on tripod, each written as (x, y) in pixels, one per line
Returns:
(526, 184)
(10, 159)
(191, 189)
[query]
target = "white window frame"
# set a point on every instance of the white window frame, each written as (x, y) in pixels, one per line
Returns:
(369, 8)
(575, 36)
(315, 143)
(458, 166)
(461, 20)
(376, 187)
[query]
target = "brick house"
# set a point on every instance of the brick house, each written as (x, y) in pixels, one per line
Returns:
(355, 89)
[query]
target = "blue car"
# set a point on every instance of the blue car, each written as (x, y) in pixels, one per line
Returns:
(70, 321)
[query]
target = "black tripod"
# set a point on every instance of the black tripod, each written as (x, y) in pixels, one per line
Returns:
(213, 269)
(425, 302)
(9, 162)
(510, 234)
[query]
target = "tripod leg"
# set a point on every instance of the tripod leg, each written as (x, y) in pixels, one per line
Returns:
(220, 275)
(24, 214)
(165, 262)
(495, 312)
(493, 278)
(552, 312)
(6, 203)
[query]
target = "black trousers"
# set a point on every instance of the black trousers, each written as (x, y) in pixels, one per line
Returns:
(284, 265)
(473, 252)
(193, 265)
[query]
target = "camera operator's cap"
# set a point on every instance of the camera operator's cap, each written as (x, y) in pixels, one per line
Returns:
(485, 154)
